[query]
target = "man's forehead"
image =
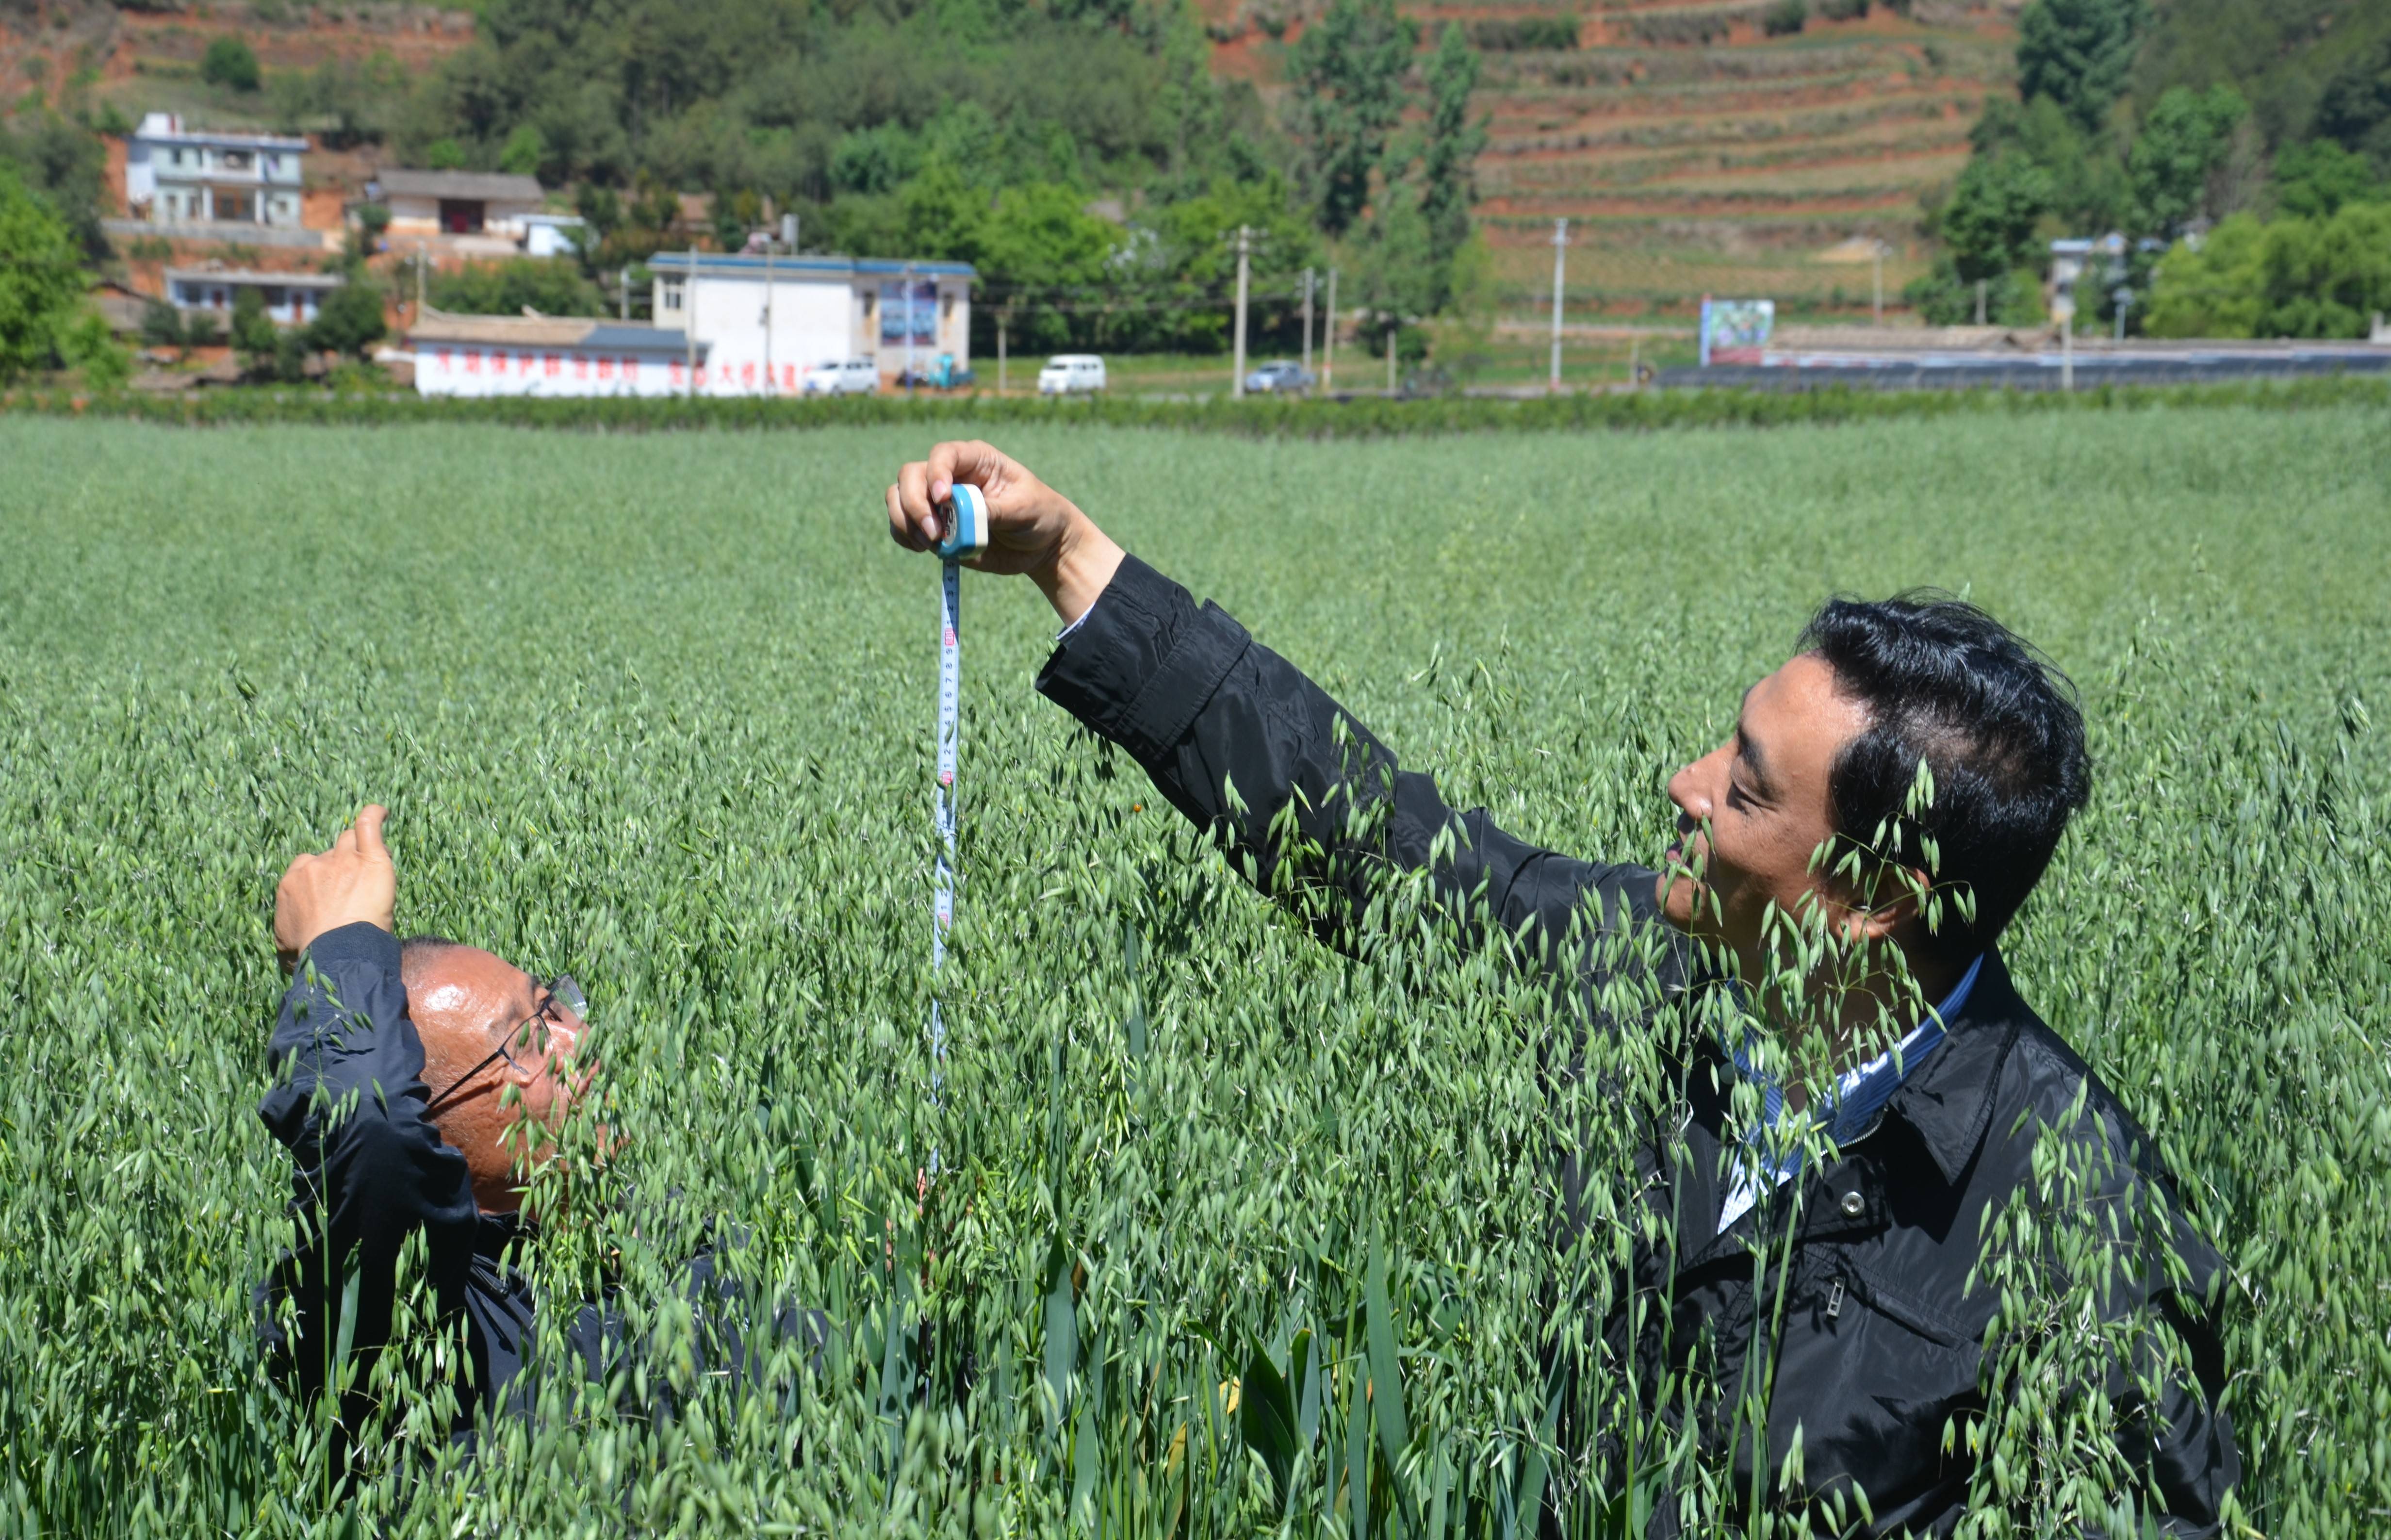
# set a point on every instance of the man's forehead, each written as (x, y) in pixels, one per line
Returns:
(466, 980)
(1796, 717)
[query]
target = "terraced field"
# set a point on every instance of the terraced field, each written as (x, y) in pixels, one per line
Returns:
(1692, 153)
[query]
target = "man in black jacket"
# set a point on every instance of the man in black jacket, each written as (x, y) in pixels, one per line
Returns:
(1882, 1192)
(416, 1084)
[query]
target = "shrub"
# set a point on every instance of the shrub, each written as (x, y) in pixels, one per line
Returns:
(508, 288)
(1526, 34)
(230, 63)
(1785, 18)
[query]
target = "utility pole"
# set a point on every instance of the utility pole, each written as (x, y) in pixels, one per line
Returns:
(1560, 260)
(1876, 259)
(1245, 247)
(688, 320)
(2067, 351)
(1390, 357)
(1329, 338)
(1980, 302)
(1307, 320)
(767, 316)
(999, 347)
(909, 331)
(625, 281)
(422, 260)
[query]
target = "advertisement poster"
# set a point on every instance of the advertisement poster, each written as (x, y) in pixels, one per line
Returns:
(1735, 332)
(921, 315)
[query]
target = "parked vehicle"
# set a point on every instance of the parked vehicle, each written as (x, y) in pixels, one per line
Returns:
(944, 375)
(842, 377)
(1280, 377)
(1072, 374)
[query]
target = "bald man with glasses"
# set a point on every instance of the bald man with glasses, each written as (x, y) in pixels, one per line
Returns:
(370, 1023)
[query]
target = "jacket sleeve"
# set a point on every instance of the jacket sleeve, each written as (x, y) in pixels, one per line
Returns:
(1250, 750)
(2173, 1429)
(348, 1102)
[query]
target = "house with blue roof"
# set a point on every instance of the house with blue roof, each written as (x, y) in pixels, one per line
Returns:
(764, 320)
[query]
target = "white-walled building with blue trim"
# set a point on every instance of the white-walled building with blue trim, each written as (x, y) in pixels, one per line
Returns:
(821, 309)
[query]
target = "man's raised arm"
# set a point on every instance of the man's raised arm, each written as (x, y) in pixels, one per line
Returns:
(348, 1102)
(1238, 738)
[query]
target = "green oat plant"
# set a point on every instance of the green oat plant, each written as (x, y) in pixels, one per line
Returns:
(1235, 1232)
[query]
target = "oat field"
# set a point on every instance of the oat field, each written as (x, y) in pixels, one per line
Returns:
(1233, 1236)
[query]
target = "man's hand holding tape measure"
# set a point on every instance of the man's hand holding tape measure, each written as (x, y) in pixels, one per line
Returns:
(1032, 531)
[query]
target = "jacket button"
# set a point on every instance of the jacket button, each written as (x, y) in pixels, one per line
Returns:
(1854, 1204)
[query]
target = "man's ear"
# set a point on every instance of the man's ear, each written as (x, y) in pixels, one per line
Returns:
(1892, 898)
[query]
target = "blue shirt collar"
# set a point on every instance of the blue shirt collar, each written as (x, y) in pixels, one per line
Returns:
(1860, 1092)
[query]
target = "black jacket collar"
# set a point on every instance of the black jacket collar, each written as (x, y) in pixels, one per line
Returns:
(1950, 1100)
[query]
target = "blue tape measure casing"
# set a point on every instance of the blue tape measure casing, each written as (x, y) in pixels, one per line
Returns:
(963, 517)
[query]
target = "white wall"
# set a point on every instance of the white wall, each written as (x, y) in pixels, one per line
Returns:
(460, 369)
(811, 324)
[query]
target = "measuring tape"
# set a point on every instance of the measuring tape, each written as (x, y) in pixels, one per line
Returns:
(964, 519)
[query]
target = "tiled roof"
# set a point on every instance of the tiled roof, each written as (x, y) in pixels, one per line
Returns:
(545, 331)
(719, 265)
(249, 276)
(489, 185)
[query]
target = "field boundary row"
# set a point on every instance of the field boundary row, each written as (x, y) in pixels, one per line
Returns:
(1360, 417)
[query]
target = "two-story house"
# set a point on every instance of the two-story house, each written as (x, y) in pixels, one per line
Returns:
(174, 176)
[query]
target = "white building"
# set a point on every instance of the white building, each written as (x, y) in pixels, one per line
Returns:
(174, 176)
(547, 356)
(291, 299)
(822, 309)
(496, 205)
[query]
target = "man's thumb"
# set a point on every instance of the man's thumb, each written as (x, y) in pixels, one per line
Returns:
(369, 819)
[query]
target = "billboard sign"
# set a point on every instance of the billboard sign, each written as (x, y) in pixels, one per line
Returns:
(909, 314)
(1735, 332)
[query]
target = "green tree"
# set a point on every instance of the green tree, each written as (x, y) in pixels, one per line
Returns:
(2089, 190)
(65, 162)
(1190, 104)
(268, 352)
(946, 218)
(2182, 142)
(2354, 110)
(524, 152)
(1448, 184)
(2315, 179)
(2327, 277)
(2214, 289)
(2285, 277)
(41, 279)
(2079, 52)
(351, 320)
(230, 63)
(1989, 223)
(1349, 70)
(510, 288)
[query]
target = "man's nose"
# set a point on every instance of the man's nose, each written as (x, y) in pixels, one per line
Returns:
(1684, 790)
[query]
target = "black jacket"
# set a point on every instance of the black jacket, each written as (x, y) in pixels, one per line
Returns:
(1881, 1337)
(370, 1170)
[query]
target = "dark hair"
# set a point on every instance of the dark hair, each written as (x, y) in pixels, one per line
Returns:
(1994, 721)
(417, 950)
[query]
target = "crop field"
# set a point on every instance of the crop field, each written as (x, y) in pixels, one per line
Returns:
(1231, 1234)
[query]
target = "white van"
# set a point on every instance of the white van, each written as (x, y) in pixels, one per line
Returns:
(1069, 373)
(843, 377)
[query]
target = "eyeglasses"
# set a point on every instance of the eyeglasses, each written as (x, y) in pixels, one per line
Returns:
(530, 1036)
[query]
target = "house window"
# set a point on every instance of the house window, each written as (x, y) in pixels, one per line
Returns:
(239, 208)
(669, 294)
(462, 216)
(238, 160)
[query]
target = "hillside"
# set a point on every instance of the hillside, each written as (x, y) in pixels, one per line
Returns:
(1693, 153)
